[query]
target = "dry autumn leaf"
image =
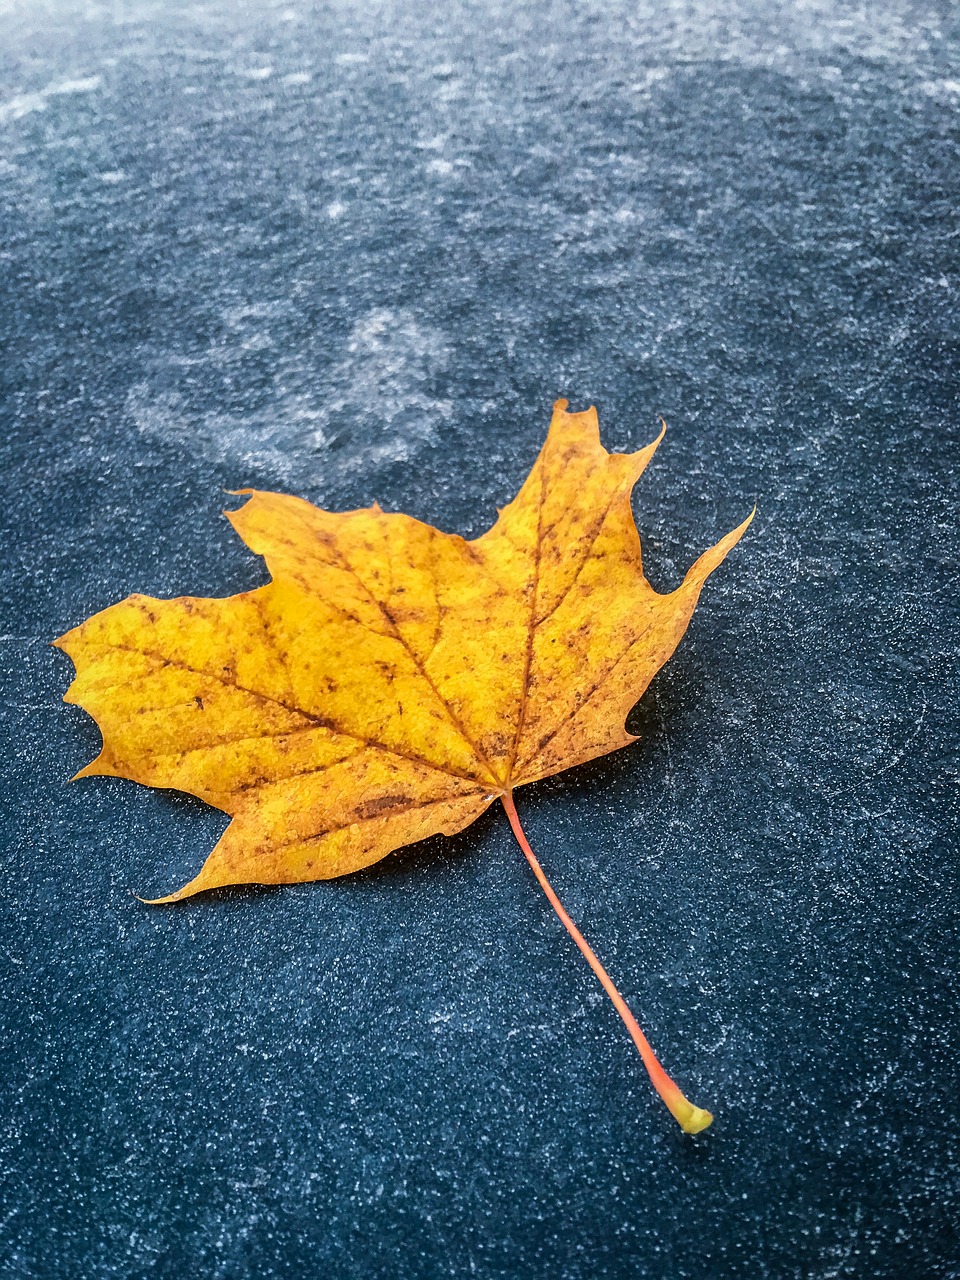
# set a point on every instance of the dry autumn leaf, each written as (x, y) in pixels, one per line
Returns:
(392, 681)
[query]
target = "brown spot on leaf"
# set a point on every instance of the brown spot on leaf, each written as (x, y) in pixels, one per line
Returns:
(373, 808)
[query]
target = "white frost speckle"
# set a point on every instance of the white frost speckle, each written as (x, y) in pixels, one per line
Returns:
(22, 104)
(436, 143)
(381, 402)
(937, 88)
(650, 77)
(74, 86)
(374, 405)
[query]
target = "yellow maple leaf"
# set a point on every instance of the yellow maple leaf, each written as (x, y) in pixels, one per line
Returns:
(392, 681)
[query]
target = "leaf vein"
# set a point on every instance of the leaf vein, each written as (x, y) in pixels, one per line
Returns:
(317, 721)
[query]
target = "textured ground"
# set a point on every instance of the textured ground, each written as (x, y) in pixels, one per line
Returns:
(355, 252)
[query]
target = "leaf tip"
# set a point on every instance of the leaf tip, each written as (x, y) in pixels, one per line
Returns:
(702, 567)
(178, 895)
(94, 769)
(199, 882)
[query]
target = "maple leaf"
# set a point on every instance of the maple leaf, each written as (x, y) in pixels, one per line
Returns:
(392, 681)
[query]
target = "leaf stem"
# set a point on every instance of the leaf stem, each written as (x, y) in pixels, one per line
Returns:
(691, 1119)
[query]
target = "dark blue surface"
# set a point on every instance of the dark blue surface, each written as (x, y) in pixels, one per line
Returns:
(354, 252)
